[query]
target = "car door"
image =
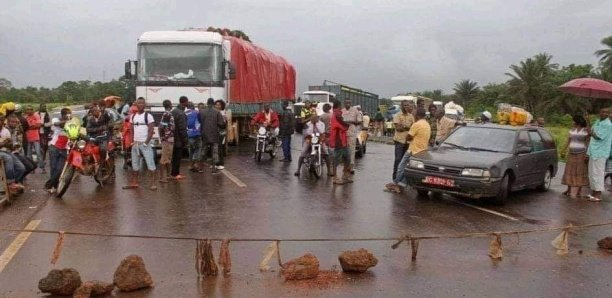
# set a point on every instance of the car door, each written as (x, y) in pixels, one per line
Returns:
(539, 166)
(524, 160)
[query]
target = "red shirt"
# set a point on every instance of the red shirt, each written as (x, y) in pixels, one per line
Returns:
(33, 135)
(260, 118)
(337, 137)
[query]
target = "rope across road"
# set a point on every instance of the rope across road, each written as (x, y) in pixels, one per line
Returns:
(400, 238)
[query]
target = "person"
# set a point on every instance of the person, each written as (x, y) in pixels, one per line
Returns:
(142, 128)
(540, 121)
(126, 140)
(379, 121)
(15, 170)
(432, 119)
(45, 130)
(267, 118)
(180, 137)
(485, 117)
(366, 122)
(194, 137)
(98, 128)
(598, 152)
(576, 173)
(313, 127)
(351, 116)
(326, 117)
(14, 127)
(446, 124)
(402, 122)
(212, 121)
(220, 106)
(286, 130)
(338, 141)
(201, 106)
(418, 137)
(166, 135)
(33, 137)
(24, 124)
(58, 149)
(306, 112)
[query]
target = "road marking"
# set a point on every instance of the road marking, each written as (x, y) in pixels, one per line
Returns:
(485, 210)
(14, 247)
(233, 178)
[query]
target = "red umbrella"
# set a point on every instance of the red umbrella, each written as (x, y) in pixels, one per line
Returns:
(587, 87)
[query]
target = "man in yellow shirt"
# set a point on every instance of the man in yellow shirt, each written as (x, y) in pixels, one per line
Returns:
(418, 136)
(402, 122)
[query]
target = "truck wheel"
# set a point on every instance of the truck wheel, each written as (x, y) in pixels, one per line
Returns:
(504, 189)
(545, 186)
(64, 180)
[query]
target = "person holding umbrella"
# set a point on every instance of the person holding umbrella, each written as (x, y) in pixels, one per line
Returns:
(599, 152)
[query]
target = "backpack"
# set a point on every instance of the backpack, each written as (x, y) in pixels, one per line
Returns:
(146, 117)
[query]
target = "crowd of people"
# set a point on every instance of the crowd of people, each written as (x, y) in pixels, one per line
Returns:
(27, 138)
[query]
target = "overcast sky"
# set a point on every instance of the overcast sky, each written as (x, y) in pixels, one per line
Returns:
(386, 47)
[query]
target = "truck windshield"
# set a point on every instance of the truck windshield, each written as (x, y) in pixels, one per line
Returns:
(180, 63)
(317, 97)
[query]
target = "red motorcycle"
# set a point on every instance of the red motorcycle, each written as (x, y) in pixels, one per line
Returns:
(84, 159)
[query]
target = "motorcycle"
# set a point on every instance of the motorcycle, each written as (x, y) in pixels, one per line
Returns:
(314, 161)
(84, 159)
(265, 143)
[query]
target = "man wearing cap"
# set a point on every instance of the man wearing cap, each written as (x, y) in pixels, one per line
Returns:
(485, 117)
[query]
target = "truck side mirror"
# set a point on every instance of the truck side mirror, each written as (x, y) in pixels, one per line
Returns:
(128, 69)
(231, 70)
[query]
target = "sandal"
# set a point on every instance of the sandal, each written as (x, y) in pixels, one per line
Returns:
(153, 187)
(566, 193)
(593, 199)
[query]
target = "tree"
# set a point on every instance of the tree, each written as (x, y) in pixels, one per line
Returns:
(605, 55)
(465, 91)
(530, 78)
(5, 84)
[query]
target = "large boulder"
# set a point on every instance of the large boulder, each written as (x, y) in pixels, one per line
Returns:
(60, 282)
(357, 260)
(605, 243)
(93, 289)
(304, 267)
(132, 274)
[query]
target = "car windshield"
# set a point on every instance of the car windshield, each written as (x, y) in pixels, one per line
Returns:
(180, 62)
(481, 139)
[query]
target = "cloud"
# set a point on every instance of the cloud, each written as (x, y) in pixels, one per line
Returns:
(386, 47)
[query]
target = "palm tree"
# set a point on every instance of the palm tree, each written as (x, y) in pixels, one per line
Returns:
(530, 78)
(605, 55)
(465, 91)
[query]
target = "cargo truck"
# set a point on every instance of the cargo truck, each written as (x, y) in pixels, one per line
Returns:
(201, 65)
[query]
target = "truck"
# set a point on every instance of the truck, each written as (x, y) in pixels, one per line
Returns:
(200, 64)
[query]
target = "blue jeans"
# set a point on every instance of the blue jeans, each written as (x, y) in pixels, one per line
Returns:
(35, 146)
(286, 143)
(400, 149)
(57, 159)
(195, 148)
(400, 178)
(15, 170)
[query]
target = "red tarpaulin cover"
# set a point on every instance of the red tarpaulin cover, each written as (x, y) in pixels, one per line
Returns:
(261, 76)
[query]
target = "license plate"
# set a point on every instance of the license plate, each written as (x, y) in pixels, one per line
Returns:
(439, 181)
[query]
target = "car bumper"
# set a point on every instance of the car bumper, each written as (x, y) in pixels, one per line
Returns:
(464, 186)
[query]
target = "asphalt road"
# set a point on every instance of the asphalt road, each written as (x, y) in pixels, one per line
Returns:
(276, 205)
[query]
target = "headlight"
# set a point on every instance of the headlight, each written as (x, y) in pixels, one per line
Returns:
(262, 130)
(417, 164)
(315, 140)
(81, 144)
(476, 173)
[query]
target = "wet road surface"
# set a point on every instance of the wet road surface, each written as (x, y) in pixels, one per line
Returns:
(276, 205)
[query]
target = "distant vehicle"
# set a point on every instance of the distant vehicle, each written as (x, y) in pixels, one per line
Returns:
(486, 161)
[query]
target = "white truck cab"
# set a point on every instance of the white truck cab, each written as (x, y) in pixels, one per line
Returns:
(320, 97)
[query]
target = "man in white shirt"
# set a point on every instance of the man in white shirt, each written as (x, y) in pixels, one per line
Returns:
(142, 126)
(313, 127)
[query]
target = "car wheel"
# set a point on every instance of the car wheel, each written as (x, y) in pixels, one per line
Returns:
(504, 189)
(545, 186)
